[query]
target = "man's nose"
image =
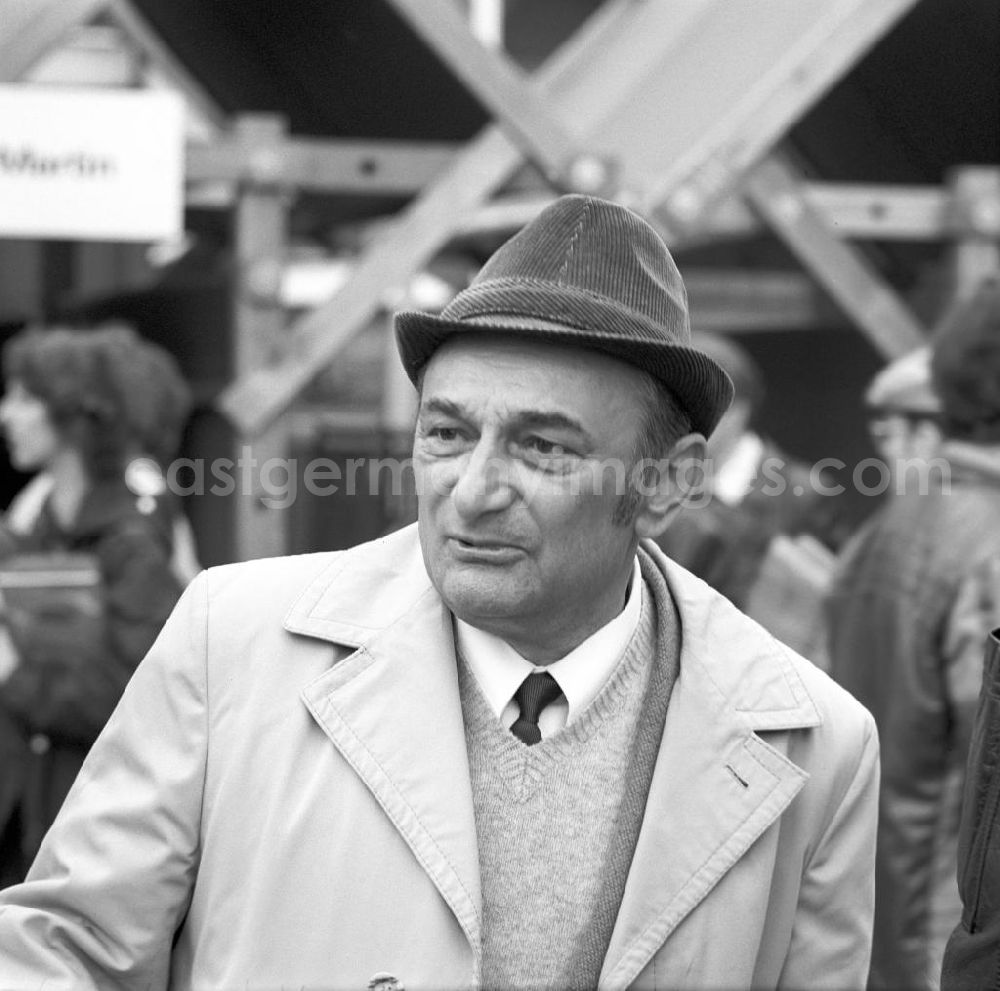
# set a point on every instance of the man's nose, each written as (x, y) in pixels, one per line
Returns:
(483, 484)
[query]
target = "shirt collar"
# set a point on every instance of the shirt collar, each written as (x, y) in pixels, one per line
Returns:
(582, 673)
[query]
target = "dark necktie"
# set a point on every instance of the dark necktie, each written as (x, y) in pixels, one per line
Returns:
(535, 693)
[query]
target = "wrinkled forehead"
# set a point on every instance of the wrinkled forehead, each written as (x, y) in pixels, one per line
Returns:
(500, 376)
(492, 356)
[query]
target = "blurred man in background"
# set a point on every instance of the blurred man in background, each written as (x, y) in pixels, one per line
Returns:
(764, 534)
(914, 598)
(904, 417)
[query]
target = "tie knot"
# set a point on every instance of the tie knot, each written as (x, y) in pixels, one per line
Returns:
(535, 693)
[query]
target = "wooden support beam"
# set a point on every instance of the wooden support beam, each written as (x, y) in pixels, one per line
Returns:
(850, 210)
(261, 526)
(775, 190)
(32, 29)
(881, 212)
(341, 166)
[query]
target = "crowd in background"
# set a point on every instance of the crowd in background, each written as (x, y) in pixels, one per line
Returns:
(898, 611)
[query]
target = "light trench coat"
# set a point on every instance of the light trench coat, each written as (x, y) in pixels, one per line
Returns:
(282, 801)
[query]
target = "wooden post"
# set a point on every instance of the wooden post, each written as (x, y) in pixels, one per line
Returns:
(264, 473)
(397, 417)
(975, 215)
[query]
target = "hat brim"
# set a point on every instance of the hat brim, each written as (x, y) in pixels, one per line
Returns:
(698, 383)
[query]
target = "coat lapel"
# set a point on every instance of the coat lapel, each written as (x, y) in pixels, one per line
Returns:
(717, 786)
(392, 707)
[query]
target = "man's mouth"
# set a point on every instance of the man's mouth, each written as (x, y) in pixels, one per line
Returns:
(483, 549)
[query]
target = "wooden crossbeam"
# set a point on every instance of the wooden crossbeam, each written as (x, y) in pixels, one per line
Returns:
(340, 166)
(775, 190)
(32, 29)
(849, 210)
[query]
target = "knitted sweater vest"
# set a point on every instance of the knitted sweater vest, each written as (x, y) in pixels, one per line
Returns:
(557, 823)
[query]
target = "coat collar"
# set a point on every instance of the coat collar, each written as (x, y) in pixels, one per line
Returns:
(392, 708)
(369, 589)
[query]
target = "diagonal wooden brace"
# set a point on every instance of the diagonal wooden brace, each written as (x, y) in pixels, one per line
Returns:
(776, 191)
(47, 24)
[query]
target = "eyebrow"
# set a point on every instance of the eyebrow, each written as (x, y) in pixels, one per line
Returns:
(524, 419)
(443, 406)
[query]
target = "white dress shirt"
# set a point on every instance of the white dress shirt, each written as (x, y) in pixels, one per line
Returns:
(581, 674)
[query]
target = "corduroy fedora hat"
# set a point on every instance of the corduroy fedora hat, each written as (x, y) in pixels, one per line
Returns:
(592, 274)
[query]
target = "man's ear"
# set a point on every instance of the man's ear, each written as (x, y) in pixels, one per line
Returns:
(669, 483)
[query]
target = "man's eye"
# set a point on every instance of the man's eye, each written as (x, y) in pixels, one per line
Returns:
(443, 439)
(547, 448)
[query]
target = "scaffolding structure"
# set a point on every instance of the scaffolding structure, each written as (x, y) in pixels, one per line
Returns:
(635, 106)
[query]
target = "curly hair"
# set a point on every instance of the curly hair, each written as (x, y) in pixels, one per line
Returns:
(965, 368)
(108, 392)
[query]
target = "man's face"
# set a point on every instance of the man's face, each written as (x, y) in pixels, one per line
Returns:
(902, 438)
(516, 518)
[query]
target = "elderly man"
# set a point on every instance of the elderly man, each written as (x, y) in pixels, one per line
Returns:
(506, 748)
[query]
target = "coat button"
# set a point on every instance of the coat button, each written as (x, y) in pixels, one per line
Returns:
(385, 982)
(40, 744)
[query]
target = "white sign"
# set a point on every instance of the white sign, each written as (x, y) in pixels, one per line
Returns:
(98, 165)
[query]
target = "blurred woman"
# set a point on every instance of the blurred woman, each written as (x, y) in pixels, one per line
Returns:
(78, 407)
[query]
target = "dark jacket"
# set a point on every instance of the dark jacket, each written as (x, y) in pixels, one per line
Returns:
(972, 958)
(74, 667)
(906, 617)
